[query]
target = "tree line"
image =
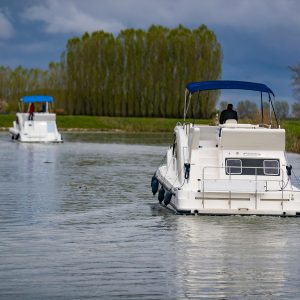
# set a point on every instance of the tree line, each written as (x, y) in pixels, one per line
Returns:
(15, 83)
(135, 73)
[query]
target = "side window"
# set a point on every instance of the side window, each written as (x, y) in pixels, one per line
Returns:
(233, 166)
(271, 167)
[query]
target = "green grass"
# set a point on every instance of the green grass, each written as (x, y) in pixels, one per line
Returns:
(146, 125)
(6, 120)
(129, 124)
(292, 131)
(116, 123)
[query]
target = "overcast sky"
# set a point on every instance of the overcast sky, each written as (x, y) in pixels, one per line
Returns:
(259, 38)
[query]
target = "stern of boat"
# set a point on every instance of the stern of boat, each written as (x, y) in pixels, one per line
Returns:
(41, 129)
(225, 203)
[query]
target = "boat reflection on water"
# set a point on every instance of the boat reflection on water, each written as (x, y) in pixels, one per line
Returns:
(228, 257)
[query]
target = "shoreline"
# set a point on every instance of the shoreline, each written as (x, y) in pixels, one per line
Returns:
(101, 124)
(96, 130)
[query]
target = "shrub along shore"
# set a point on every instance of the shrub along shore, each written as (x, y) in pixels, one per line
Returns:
(127, 124)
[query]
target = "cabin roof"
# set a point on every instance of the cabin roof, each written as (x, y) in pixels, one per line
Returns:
(35, 99)
(194, 87)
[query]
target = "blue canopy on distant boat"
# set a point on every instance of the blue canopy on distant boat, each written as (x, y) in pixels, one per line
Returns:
(34, 99)
(194, 87)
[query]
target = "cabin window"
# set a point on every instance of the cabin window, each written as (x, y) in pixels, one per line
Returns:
(271, 167)
(233, 166)
(252, 166)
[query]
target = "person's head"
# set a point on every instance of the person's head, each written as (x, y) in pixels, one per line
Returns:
(230, 106)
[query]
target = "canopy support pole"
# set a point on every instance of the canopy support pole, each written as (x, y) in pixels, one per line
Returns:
(184, 110)
(271, 105)
(262, 108)
(186, 105)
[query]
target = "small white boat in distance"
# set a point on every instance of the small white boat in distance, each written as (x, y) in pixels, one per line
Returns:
(228, 169)
(35, 126)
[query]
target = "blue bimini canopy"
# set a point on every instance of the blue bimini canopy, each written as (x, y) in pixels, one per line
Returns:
(194, 87)
(35, 99)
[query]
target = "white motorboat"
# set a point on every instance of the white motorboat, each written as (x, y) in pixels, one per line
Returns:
(228, 169)
(35, 126)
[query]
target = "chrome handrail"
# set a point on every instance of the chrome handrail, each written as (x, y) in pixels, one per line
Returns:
(282, 181)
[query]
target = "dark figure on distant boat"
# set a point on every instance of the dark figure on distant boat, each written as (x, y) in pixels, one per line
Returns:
(31, 111)
(227, 114)
(44, 108)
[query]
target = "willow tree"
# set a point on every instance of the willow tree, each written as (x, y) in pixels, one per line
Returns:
(55, 83)
(136, 73)
(4, 82)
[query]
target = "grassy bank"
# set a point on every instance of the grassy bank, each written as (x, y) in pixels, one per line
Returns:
(107, 123)
(116, 123)
(292, 131)
(146, 125)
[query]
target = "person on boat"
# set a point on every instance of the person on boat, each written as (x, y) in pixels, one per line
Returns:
(228, 113)
(31, 111)
(44, 108)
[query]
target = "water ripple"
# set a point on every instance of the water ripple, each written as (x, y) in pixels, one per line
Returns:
(76, 223)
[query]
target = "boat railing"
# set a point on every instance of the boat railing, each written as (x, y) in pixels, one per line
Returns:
(38, 116)
(241, 184)
(44, 117)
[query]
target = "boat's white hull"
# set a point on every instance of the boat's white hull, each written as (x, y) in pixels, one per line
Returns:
(25, 138)
(228, 212)
(276, 203)
(42, 130)
(188, 202)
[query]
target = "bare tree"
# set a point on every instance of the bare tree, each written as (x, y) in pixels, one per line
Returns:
(282, 109)
(246, 109)
(296, 88)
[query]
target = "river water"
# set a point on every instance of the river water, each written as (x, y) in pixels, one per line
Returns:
(76, 223)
